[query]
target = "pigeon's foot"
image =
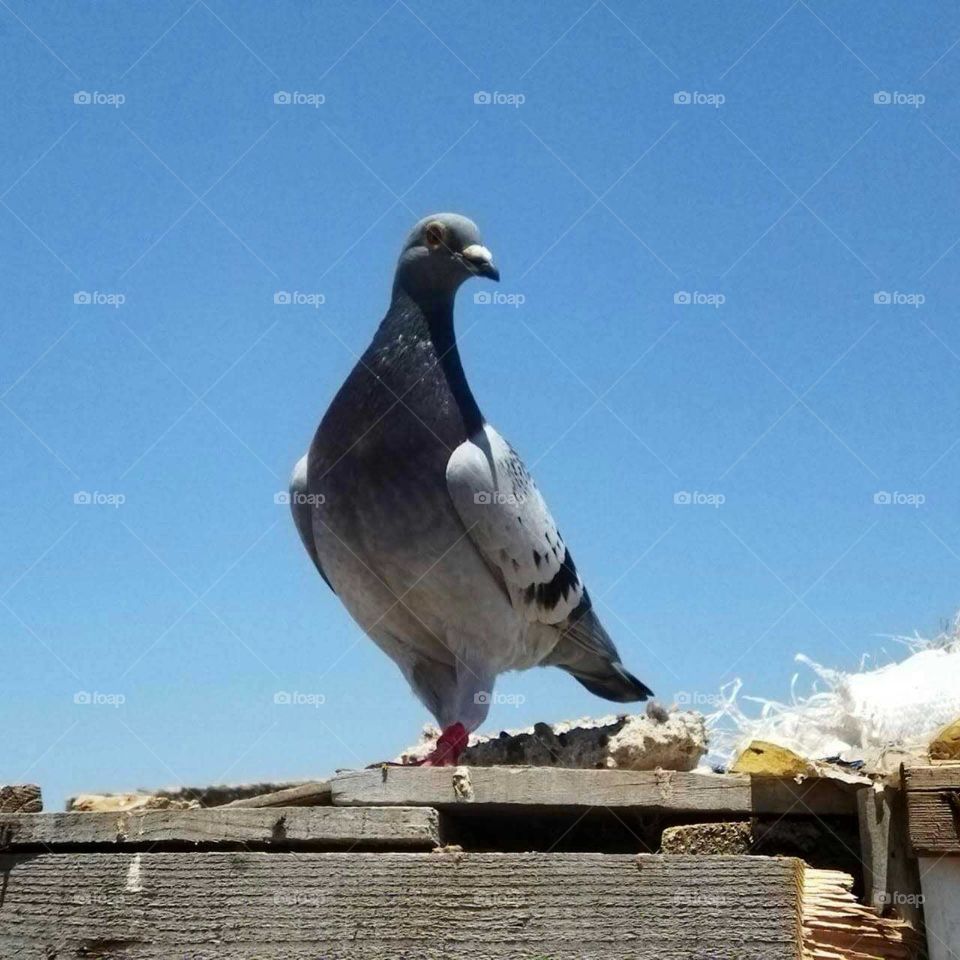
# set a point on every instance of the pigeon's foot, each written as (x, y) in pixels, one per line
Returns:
(450, 744)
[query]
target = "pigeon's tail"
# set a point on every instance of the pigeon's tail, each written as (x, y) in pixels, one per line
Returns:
(618, 685)
(586, 651)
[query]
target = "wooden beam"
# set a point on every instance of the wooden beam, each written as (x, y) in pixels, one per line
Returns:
(151, 906)
(933, 808)
(316, 794)
(288, 828)
(20, 798)
(462, 788)
(940, 879)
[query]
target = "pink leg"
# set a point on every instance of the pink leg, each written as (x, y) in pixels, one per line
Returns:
(451, 743)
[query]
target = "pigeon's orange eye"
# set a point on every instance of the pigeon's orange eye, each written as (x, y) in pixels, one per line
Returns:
(435, 234)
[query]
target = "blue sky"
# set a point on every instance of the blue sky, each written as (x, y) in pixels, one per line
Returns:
(631, 157)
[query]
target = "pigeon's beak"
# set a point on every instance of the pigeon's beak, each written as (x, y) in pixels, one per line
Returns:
(480, 261)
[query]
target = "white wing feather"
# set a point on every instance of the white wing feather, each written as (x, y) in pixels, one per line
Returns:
(510, 524)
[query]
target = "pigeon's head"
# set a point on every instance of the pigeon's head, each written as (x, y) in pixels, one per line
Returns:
(441, 252)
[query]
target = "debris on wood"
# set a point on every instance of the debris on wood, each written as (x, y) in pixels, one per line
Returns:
(189, 798)
(125, 802)
(672, 741)
(710, 839)
(946, 744)
(771, 760)
(20, 798)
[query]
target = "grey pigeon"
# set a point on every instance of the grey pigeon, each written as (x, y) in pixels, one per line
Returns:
(425, 522)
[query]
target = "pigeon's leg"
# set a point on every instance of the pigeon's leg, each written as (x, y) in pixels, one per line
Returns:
(450, 744)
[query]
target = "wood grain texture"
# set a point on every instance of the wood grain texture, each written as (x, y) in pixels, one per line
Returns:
(670, 790)
(292, 827)
(418, 906)
(933, 808)
(315, 794)
(890, 878)
(20, 798)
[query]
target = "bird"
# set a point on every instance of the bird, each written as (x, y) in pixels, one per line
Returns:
(425, 522)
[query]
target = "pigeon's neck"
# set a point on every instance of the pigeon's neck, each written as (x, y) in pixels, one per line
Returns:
(429, 320)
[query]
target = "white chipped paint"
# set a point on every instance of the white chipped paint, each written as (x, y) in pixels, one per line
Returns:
(134, 883)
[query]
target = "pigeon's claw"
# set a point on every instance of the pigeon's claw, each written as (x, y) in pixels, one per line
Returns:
(450, 744)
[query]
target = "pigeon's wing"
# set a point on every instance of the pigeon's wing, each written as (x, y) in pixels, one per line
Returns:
(510, 524)
(303, 514)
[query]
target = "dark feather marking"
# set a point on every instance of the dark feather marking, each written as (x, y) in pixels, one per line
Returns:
(536, 558)
(565, 580)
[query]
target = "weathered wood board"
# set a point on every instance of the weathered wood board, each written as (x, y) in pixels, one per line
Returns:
(291, 827)
(933, 808)
(940, 879)
(291, 906)
(513, 787)
(890, 878)
(315, 794)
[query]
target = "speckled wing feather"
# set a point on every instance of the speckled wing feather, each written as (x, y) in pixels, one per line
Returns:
(510, 524)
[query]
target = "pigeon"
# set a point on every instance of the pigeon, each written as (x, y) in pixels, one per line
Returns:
(425, 522)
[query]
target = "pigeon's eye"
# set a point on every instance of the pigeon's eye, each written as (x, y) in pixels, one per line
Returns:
(435, 234)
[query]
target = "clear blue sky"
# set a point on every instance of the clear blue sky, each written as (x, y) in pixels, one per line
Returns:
(781, 195)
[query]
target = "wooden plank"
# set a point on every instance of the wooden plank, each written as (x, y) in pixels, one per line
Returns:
(890, 879)
(936, 776)
(20, 798)
(413, 906)
(933, 808)
(465, 787)
(316, 794)
(940, 879)
(291, 827)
